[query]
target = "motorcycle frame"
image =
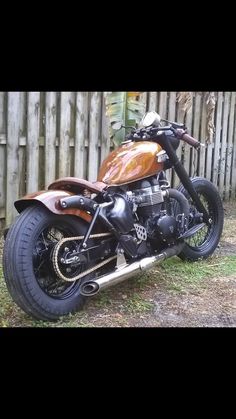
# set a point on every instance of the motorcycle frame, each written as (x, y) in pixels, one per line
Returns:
(51, 199)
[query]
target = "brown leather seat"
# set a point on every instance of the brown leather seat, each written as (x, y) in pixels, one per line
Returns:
(77, 185)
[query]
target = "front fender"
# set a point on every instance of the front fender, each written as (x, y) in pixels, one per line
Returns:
(50, 200)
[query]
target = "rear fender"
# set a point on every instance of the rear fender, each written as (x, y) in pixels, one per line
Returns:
(50, 200)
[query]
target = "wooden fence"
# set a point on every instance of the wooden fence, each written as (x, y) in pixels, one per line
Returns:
(47, 135)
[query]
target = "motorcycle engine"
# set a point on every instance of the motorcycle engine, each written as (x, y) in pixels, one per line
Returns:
(143, 217)
(153, 212)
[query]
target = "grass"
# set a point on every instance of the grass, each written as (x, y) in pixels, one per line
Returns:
(194, 272)
(103, 300)
(178, 274)
(173, 274)
(137, 305)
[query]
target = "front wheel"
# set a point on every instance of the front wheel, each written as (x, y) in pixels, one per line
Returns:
(28, 268)
(203, 243)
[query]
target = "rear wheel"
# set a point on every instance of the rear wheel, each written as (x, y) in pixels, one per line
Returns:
(28, 268)
(203, 243)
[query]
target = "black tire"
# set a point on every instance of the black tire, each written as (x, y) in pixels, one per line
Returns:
(27, 282)
(203, 243)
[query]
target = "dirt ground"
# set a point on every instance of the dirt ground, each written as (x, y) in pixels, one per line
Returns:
(173, 295)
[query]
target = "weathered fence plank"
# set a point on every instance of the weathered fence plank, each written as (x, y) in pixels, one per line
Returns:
(229, 152)
(94, 130)
(81, 134)
(209, 155)
(162, 104)
(32, 142)
(187, 148)
(2, 112)
(180, 118)
(233, 181)
(171, 117)
(209, 161)
(223, 142)
(152, 102)
(172, 107)
(64, 140)
(196, 134)
(12, 155)
(202, 138)
(209, 158)
(105, 144)
(72, 132)
(2, 150)
(2, 175)
(144, 100)
(22, 171)
(218, 125)
(50, 137)
(23, 113)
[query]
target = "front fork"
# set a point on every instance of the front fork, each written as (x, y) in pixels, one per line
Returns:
(184, 178)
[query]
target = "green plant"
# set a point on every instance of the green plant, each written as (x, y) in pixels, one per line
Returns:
(126, 108)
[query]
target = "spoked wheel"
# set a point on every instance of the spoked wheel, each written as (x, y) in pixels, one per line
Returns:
(204, 242)
(48, 280)
(28, 266)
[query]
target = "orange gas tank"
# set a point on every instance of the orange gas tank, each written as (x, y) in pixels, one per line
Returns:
(130, 162)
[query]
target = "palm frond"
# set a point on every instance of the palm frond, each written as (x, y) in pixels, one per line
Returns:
(211, 106)
(185, 99)
(124, 107)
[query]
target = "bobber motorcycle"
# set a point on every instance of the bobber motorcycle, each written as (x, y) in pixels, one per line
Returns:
(79, 237)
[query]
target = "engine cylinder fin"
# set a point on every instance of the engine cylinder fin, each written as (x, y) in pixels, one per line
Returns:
(148, 196)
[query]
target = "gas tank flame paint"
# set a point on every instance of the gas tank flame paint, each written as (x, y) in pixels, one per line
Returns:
(130, 162)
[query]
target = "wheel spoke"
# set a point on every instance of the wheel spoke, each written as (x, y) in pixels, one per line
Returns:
(201, 236)
(44, 241)
(40, 266)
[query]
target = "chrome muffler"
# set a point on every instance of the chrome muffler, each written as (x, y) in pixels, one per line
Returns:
(92, 287)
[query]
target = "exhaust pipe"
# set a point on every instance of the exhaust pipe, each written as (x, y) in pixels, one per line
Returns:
(91, 288)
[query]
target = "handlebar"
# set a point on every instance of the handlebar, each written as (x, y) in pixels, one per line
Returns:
(152, 132)
(182, 135)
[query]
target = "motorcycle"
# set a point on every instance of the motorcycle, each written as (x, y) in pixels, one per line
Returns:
(78, 237)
